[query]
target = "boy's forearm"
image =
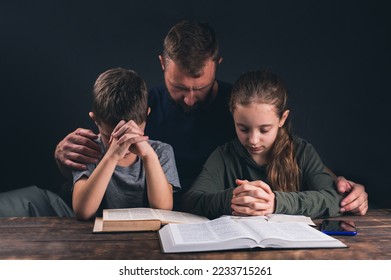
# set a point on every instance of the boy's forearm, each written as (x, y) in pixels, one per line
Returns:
(158, 189)
(88, 194)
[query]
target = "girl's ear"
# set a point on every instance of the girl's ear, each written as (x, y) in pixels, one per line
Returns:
(283, 118)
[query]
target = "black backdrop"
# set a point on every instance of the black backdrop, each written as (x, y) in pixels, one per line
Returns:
(334, 56)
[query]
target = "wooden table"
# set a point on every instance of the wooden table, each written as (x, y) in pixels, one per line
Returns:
(70, 239)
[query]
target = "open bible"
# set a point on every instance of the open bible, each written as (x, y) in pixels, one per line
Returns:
(228, 233)
(141, 219)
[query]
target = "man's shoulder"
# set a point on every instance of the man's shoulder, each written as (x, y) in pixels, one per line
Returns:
(158, 97)
(157, 90)
(220, 103)
(224, 83)
(224, 86)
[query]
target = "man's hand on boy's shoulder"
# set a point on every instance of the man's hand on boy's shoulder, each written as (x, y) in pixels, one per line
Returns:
(355, 200)
(77, 149)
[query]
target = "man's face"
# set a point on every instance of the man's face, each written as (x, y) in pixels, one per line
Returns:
(188, 92)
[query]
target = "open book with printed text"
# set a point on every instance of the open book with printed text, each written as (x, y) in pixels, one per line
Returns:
(227, 233)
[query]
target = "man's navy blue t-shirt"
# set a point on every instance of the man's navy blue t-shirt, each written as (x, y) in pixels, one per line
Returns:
(193, 136)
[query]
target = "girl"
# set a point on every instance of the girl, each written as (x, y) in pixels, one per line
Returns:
(265, 169)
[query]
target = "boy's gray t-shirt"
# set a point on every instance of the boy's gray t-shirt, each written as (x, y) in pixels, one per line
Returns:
(127, 187)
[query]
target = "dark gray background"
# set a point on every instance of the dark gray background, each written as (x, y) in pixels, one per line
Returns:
(333, 55)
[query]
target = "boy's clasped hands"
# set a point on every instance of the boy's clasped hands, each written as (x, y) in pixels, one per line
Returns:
(128, 137)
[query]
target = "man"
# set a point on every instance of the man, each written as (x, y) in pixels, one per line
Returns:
(190, 112)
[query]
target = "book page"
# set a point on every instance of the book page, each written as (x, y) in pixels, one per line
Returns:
(290, 218)
(241, 218)
(276, 218)
(129, 214)
(167, 216)
(286, 231)
(221, 229)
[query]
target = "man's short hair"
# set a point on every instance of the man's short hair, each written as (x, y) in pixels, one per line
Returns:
(190, 44)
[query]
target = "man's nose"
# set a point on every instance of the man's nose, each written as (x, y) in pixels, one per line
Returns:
(190, 98)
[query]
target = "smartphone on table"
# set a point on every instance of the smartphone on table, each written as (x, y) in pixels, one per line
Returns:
(338, 227)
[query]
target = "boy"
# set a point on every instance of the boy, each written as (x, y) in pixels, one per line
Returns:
(134, 171)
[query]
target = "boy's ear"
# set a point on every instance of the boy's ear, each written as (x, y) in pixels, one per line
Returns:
(148, 111)
(161, 59)
(92, 116)
(283, 118)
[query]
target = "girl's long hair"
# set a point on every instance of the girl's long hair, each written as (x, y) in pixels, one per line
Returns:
(264, 87)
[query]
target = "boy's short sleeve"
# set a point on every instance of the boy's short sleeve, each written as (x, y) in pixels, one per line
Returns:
(166, 157)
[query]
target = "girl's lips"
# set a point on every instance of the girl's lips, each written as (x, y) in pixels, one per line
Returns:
(254, 149)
